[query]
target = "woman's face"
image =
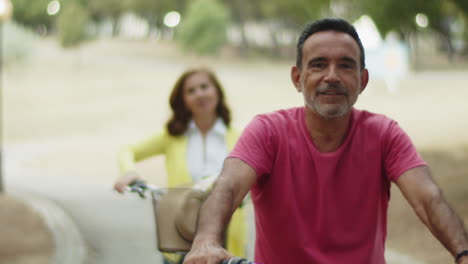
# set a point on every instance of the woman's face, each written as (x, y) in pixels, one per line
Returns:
(200, 95)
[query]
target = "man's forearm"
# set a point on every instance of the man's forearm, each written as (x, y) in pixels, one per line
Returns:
(446, 225)
(215, 213)
(427, 200)
(230, 188)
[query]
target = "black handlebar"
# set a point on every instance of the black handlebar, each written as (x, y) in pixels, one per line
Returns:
(139, 187)
(236, 260)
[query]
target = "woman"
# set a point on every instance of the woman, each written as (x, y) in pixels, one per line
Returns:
(195, 142)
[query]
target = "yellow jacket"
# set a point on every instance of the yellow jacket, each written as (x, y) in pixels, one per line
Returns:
(174, 148)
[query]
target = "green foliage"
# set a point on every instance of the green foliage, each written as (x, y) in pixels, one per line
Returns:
(109, 8)
(72, 25)
(204, 22)
(18, 44)
(154, 11)
(149, 10)
(300, 12)
(203, 28)
(32, 13)
(292, 13)
(463, 5)
(399, 15)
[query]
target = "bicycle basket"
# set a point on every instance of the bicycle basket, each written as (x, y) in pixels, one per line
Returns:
(176, 214)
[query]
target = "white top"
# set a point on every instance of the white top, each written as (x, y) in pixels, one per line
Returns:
(205, 155)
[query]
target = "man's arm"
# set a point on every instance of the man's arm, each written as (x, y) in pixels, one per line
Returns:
(428, 202)
(230, 188)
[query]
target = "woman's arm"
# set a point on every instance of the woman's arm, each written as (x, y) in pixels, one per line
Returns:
(130, 155)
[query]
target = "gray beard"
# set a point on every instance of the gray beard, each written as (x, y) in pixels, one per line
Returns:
(327, 115)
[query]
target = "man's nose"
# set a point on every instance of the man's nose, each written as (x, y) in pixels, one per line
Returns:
(332, 75)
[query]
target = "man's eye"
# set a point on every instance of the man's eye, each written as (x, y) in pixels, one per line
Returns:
(204, 86)
(318, 65)
(346, 66)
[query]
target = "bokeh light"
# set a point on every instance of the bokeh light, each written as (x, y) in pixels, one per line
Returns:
(422, 20)
(172, 19)
(53, 7)
(5, 9)
(3, 6)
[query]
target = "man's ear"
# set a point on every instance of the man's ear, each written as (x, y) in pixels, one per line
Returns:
(296, 78)
(364, 79)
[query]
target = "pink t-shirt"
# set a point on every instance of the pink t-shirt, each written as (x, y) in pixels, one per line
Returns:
(324, 208)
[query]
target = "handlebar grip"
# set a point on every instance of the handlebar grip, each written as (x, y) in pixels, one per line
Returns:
(236, 260)
(137, 183)
(139, 187)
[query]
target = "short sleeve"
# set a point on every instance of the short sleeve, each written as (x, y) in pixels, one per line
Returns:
(400, 153)
(256, 147)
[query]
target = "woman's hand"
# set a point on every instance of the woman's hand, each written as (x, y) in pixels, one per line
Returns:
(125, 180)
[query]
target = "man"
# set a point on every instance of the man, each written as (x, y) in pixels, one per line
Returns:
(320, 175)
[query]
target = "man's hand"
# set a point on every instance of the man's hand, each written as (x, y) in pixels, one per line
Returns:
(206, 253)
(125, 180)
(230, 188)
(463, 260)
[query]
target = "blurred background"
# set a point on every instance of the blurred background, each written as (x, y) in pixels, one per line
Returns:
(240, 28)
(81, 78)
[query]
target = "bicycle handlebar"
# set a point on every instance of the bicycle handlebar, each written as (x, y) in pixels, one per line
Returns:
(236, 260)
(140, 187)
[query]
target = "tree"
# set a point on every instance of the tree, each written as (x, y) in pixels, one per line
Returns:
(399, 16)
(277, 16)
(286, 16)
(148, 10)
(239, 14)
(153, 11)
(32, 13)
(111, 9)
(296, 13)
(73, 24)
(463, 7)
(204, 28)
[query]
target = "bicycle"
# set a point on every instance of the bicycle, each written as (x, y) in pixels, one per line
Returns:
(171, 240)
(236, 260)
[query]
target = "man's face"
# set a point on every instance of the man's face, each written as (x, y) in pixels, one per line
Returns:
(330, 78)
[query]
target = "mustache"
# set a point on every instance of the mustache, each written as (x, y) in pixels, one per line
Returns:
(334, 87)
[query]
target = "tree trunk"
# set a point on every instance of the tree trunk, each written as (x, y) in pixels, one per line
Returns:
(275, 48)
(115, 26)
(413, 46)
(239, 18)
